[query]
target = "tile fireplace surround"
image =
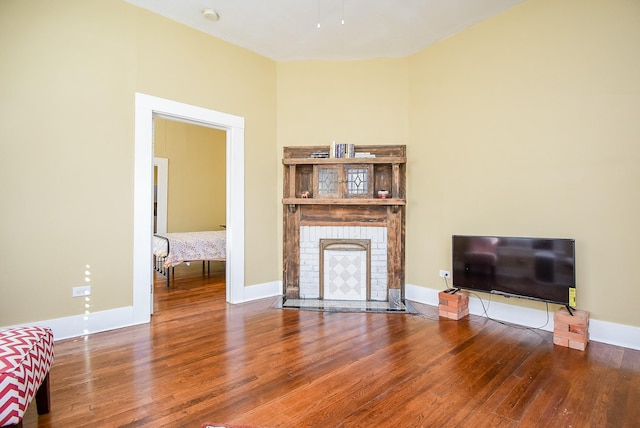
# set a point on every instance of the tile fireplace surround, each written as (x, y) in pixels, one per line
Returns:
(311, 266)
(310, 258)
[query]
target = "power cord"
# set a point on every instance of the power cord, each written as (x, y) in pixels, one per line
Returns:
(485, 312)
(524, 327)
(448, 289)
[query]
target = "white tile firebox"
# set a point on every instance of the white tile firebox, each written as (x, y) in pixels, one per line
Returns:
(344, 269)
(343, 263)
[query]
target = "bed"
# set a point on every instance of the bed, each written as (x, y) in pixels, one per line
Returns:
(171, 249)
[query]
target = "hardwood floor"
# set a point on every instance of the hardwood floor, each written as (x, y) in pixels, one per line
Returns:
(203, 360)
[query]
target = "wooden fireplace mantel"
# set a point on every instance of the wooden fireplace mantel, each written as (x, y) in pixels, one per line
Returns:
(308, 201)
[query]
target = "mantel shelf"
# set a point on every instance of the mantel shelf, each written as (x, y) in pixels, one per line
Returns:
(354, 201)
(333, 161)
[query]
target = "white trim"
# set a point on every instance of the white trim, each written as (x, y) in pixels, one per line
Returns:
(262, 291)
(95, 322)
(614, 334)
(146, 108)
(599, 331)
(161, 197)
(423, 295)
(235, 214)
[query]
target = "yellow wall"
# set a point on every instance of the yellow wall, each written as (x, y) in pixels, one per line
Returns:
(197, 175)
(357, 102)
(524, 124)
(527, 124)
(68, 77)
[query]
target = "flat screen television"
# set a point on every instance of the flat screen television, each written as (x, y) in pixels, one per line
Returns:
(532, 268)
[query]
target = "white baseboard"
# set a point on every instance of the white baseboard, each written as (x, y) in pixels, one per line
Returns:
(81, 325)
(262, 291)
(614, 334)
(599, 331)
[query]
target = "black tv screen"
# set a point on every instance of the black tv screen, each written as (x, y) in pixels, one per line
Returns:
(533, 268)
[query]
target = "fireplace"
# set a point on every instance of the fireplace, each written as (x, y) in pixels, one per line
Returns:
(344, 222)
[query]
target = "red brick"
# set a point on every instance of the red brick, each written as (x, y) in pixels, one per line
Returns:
(560, 326)
(579, 345)
(453, 306)
(580, 329)
(560, 341)
(571, 331)
(570, 336)
(578, 318)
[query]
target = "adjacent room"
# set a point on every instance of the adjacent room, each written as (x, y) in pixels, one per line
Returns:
(189, 197)
(510, 121)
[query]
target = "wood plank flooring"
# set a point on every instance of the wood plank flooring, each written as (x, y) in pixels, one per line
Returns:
(203, 360)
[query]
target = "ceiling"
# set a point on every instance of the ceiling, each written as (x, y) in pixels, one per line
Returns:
(291, 30)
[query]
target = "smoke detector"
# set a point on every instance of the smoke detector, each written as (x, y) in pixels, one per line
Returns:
(210, 14)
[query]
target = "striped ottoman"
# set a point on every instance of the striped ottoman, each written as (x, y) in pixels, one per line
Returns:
(26, 355)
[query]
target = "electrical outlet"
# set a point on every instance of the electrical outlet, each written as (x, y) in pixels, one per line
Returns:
(81, 291)
(445, 274)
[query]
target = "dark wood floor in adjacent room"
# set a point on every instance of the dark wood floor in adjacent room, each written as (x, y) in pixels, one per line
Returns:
(203, 360)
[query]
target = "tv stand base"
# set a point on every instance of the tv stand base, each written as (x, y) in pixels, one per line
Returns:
(571, 329)
(453, 306)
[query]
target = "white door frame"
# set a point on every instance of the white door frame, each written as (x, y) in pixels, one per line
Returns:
(146, 108)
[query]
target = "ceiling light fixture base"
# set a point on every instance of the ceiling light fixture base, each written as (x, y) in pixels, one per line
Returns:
(210, 14)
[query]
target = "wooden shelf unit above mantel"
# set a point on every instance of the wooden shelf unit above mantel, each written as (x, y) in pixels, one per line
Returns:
(335, 181)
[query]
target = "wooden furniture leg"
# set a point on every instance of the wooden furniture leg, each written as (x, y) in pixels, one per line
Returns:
(42, 397)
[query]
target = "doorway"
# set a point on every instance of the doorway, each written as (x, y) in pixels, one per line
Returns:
(192, 197)
(146, 108)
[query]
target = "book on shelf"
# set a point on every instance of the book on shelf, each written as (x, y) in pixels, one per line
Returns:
(340, 150)
(364, 155)
(319, 155)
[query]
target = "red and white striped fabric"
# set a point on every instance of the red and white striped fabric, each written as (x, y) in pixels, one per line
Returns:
(26, 355)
